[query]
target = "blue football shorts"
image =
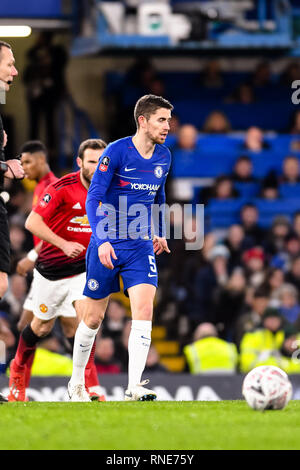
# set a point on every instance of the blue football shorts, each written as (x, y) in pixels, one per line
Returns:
(136, 266)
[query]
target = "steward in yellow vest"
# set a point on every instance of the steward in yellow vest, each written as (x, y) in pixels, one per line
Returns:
(210, 354)
(263, 345)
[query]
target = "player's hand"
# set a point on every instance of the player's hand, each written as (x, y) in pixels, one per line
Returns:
(105, 253)
(24, 266)
(72, 249)
(15, 170)
(159, 245)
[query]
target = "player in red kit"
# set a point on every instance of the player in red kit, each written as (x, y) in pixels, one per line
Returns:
(36, 167)
(59, 219)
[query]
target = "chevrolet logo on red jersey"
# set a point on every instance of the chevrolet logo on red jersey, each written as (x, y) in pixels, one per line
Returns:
(82, 220)
(104, 164)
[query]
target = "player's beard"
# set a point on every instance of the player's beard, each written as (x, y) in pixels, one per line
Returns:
(155, 139)
(87, 176)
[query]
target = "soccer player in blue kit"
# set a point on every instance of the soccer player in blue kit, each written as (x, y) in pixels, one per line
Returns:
(135, 168)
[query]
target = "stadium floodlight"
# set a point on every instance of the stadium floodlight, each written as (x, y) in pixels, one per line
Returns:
(16, 31)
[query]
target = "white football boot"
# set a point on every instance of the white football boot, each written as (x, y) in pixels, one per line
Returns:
(140, 393)
(78, 393)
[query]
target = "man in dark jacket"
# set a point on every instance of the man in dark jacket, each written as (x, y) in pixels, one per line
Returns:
(10, 168)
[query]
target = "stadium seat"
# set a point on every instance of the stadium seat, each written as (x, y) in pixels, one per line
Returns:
(174, 364)
(290, 191)
(247, 190)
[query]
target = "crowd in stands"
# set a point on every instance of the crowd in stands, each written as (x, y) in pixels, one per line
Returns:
(234, 304)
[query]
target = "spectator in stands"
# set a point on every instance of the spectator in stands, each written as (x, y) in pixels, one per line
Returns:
(293, 275)
(289, 305)
(12, 302)
(262, 76)
(121, 347)
(17, 242)
(211, 76)
(275, 239)
(230, 303)
(187, 137)
(222, 189)
(294, 127)
(290, 73)
(273, 282)
(174, 125)
(254, 263)
(290, 251)
(254, 140)
(44, 79)
(290, 350)
(251, 318)
(262, 346)
(207, 281)
(243, 170)
(243, 94)
(115, 319)
(105, 357)
(6, 335)
(153, 364)
(290, 170)
(296, 224)
(254, 234)
(210, 354)
(269, 187)
(216, 123)
(236, 244)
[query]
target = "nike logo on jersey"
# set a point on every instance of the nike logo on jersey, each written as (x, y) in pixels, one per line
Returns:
(129, 169)
(77, 206)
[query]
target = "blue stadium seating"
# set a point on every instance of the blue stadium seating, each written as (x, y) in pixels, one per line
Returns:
(289, 191)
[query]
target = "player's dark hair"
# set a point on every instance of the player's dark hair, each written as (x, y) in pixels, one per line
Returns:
(94, 144)
(33, 146)
(4, 44)
(148, 105)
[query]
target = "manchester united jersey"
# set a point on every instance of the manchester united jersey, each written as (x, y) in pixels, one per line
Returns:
(38, 191)
(62, 207)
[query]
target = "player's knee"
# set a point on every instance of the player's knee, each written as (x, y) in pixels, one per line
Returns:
(145, 312)
(41, 328)
(93, 320)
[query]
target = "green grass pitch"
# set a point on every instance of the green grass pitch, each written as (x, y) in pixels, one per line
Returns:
(147, 425)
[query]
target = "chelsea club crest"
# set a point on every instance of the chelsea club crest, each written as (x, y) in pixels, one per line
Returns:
(158, 171)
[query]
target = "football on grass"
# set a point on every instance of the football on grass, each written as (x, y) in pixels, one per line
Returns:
(267, 388)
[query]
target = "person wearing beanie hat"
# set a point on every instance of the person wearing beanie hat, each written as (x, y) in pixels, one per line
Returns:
(254, 261)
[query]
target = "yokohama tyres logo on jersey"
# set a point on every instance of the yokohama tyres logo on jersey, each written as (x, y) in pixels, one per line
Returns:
(145, 186)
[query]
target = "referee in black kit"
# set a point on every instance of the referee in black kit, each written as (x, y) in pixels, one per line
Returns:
(11, 169)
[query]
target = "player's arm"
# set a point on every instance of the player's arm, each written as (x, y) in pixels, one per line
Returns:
(36, 225)
(96, 194)
(160, 243)
(36, 222)
(27, 263)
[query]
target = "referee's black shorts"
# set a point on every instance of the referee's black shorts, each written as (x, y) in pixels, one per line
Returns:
(4, 240)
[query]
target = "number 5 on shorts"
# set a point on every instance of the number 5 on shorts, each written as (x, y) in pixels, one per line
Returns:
(152, 264)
